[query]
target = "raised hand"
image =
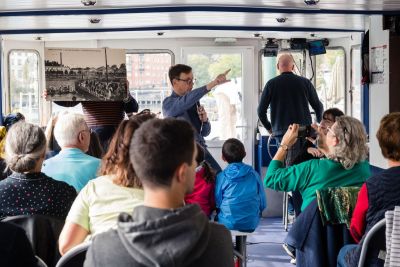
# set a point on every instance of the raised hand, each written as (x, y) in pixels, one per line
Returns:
(220, 79)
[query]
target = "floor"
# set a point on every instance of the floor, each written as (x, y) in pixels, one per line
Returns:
(264, 246)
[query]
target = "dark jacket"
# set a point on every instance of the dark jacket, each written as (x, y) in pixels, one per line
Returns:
(157, 237)
(383, 195)
(288, 95)
(15, 249)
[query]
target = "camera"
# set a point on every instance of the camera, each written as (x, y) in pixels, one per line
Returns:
(307, 131)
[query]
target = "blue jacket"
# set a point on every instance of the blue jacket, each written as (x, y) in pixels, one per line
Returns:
(72, 166)
(239, 197)
(185, 107)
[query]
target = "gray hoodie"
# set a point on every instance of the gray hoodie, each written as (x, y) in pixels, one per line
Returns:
(167, 238)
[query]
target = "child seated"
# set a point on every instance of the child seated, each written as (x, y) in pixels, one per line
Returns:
(239, 193)
(204, 185)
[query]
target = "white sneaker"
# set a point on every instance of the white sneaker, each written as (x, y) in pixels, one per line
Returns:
(289, 250)
(293, 261)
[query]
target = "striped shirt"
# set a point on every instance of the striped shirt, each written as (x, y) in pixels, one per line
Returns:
(104, 113)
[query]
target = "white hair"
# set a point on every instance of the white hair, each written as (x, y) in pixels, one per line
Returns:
(68, 127)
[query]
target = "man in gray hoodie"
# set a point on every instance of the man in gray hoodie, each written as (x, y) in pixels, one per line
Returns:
(163, 232)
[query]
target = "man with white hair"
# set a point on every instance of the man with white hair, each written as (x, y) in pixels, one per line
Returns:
(72, 165)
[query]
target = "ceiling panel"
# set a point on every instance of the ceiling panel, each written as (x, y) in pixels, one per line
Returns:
(143, 20)
(13, 5)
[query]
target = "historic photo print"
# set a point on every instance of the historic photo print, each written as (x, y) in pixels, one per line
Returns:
(74, 74)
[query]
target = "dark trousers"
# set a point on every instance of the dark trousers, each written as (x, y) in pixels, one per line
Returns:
(105, 133)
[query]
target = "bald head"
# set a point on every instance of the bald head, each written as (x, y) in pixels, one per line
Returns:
(285, 63)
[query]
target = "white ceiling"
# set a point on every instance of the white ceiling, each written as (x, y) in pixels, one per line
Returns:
(18, 5)
(182, 18)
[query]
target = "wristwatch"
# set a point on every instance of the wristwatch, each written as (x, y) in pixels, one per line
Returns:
(285, 147)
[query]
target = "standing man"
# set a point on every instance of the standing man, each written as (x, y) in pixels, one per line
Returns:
(288, 95)
(184, 103)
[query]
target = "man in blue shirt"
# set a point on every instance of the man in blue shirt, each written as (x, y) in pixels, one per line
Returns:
(72, 165)
(184, 103)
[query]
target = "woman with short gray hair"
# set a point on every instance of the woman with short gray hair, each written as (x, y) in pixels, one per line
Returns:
(27, 190)
(345, 163)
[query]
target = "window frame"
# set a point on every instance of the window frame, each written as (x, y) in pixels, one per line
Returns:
(7, 107)
(351, 96)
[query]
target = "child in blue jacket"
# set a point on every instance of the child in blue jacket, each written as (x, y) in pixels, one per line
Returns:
(239, 193)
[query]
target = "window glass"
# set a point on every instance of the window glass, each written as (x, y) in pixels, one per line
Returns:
(224, 103)
(24, 84)
(148, 78)
(330, 78)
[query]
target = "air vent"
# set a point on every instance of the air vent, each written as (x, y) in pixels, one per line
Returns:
(88, 2)
(311, 2)
(94, 20)
(281, 20)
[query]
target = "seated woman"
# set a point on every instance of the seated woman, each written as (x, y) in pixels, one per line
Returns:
(344, 165)
(118, 190)
(27, 190)
(378, 194)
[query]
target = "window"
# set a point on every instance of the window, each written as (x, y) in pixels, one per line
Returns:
(224, 104)
(331, 79)
(24, 84)
(149, 93)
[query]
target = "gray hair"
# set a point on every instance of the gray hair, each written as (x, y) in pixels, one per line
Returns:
(352, 147)
(25, 145)
(68, 127)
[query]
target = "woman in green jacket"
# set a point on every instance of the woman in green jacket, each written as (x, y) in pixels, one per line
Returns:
(345, 148)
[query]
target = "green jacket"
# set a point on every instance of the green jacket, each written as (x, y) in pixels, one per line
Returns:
(314, 174)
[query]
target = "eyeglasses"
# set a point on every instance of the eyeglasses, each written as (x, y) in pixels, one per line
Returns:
(188, 81)
(345, 134)
(329, 128)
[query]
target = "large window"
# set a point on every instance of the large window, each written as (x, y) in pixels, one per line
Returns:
(331, 78)
(24, 84)
(224, 103)
(147, 73)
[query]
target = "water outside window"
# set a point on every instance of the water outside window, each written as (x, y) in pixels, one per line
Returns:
(224, 104)
(24, 84)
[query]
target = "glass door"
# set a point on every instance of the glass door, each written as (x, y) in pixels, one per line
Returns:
(228, 105)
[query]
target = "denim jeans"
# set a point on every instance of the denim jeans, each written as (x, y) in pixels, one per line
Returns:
(341, 262)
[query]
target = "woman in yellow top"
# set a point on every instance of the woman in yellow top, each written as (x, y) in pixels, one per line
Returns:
(99, 203)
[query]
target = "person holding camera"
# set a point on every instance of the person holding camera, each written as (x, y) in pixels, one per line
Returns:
(345, 163)
(289, 96)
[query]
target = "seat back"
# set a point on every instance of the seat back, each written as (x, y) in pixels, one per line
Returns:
(42, 232)
(374, 240)
(75, 257)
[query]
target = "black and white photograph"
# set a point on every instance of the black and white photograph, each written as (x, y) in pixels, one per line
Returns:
(74, 74)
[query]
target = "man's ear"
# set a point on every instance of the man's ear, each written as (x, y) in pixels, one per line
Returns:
(181, 172)
(277, 66)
